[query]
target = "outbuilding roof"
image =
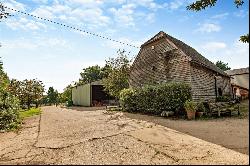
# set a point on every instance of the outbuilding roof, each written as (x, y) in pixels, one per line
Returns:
(238, 71)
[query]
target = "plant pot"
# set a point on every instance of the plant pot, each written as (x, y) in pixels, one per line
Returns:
(191, 115)
(199, 114)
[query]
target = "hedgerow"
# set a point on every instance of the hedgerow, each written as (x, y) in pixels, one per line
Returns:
(155, 99)
(9, 111)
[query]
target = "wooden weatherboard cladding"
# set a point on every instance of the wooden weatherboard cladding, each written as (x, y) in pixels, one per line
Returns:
(166, 59)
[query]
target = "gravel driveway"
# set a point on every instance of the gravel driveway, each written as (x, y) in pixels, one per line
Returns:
(67, 136)
(232, 133)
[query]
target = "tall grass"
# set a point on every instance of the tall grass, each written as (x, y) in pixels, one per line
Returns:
(30, 112)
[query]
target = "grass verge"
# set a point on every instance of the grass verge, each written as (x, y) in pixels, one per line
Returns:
(16, 125)
(30, 112)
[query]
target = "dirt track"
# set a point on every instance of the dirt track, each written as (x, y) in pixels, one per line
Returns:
(63, 136)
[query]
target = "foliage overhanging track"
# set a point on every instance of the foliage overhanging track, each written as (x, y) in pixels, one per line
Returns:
(72, 27)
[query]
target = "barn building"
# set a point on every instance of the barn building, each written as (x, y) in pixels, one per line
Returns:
(164, 58)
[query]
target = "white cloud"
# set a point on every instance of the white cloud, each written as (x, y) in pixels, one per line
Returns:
(92, 16)
(175, 4)
(155, 5)
(57, 8)
(150, 4)
(20, 22)
(129, 13)
(220, 16)
(43, 12)
(35, 43)
(235, 54)
(32, 26)
(40, 1)
(89, 15)
(124, 15)
(214, 46)
(82, 13)
(239, 49)
(85, 3)
(115, 45)
(24, 24)
(150, 18)
(53, 42)
(14, 5)
(208, 27)
(241, 13)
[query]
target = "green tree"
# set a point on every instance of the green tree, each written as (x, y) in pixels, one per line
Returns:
(9, 105)
(117, 78)
(52, 96)
(223, 66)
(203, 4)
(38, 89)
(66, 96)
(15, 88)
(105, 71)
(27, 91)
(91, 74)
(9, 110)
(3, 77)
(45, 100)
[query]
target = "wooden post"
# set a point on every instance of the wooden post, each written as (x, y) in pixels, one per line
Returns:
(215, 85)
(238, 109)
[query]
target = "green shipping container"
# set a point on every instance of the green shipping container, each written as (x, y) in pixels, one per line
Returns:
(81, 95)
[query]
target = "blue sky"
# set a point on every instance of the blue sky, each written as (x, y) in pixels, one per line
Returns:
(36, 49)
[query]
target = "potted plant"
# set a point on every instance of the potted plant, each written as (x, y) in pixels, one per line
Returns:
(200, 109)
(190, 109)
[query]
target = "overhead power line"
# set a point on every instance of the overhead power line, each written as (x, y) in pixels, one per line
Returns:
(72, 27)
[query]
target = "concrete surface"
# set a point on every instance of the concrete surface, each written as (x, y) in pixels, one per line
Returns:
(229, 132)
(66, 136)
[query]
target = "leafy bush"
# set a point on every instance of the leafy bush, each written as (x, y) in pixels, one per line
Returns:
(9, 111)
(127, 99)
(9, 105)
(155, 99)
(200, 107)
(223, 98)
(189, 106)
(69, 103)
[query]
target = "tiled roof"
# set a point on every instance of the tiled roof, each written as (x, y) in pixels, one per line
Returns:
(189, 51)
(238, 71)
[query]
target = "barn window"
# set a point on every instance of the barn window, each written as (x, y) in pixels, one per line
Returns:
(220, 91)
